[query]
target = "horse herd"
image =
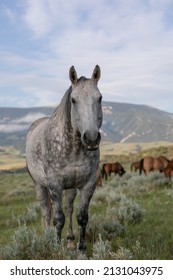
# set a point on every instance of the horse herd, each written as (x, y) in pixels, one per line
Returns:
(149, 163)
(146, 165)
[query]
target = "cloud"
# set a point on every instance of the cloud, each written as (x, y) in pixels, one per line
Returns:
(131, 41)
(36, 17)
(44, 16)
(29, 118)
(12, 128)
(20, 124)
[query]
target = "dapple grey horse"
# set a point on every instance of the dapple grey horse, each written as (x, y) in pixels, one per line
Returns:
(62, 153)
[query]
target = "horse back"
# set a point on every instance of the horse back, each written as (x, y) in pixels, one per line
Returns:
(37, 125)
(118, 168)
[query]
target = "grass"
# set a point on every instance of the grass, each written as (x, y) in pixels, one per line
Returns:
(16, 194)
(155, 231)
(109, 149)
(131, 152)
(130, 218)
(10, 158)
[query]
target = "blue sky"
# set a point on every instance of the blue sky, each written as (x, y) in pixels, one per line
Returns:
(131, 40)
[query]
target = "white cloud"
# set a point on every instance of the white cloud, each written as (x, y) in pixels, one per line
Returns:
(20, 124)
(37, 17)
(29, 118)
(131, 40)
(9, 128)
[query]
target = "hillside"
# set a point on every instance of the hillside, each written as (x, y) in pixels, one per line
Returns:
(122, 123)
(129, 123)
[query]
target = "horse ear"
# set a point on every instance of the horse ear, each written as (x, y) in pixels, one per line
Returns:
(73, 75)
(96, 73)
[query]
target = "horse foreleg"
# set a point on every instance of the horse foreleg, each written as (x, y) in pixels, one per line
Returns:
(82, 217)
(43, 198)
(70, 195)
(58, 215)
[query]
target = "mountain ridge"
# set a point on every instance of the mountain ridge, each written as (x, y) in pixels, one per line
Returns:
(122, 123)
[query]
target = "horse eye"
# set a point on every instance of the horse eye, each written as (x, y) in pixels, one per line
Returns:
(100, 99)
(73, 100)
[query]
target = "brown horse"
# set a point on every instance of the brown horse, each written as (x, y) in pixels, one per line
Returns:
(168, 170)
(135, 165)
(109, 168)
(98, 177)
(164, 161)
(148, 164)
(106, 170)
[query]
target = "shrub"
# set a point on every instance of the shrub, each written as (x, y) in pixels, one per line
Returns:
(112, 228)
(33, 211)
(101, 249)
(122, 254)
(27, 245)
(99, 196)
(94, 227)
(129, 212)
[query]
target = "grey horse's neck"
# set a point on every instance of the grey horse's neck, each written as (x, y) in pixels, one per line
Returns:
(60, 122)
(63, 111)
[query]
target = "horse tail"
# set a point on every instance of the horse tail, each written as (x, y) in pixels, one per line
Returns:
(141, 165)
(131, 167)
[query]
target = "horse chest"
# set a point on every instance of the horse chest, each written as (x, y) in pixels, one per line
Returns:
(73, 171)
(67, 162)
(76, 175)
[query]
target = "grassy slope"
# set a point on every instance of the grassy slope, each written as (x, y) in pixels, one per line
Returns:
(150, 239)
(16, 194)
(154, 233)
(10, 158)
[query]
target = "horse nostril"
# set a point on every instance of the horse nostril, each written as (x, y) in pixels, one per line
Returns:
(98, 138)
(86, 137)
(89, 137)
(92, 138)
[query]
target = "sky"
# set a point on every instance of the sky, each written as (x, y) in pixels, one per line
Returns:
(131, 41)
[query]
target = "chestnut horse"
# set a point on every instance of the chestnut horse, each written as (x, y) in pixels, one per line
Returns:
(168, 170)
(109, 168)
(164, 160)
(149, 163)
(135, 165)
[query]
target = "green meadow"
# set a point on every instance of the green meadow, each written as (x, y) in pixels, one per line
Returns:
(130, 217)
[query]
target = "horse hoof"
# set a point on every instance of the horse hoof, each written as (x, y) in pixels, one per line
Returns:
(70, 245)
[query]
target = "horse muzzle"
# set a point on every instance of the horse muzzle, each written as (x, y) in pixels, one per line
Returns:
(91, 139)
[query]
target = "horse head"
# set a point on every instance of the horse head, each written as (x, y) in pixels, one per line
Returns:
(86, 108)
